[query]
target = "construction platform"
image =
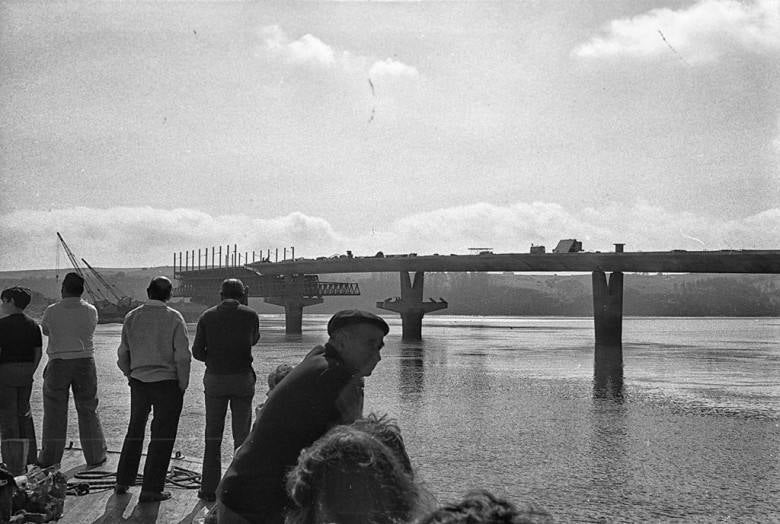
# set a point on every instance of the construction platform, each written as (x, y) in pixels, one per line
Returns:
(102, 505)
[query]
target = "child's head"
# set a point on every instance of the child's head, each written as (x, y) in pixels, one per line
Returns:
(276, 376)
(348, 476)
(388, 433)
(482, 507)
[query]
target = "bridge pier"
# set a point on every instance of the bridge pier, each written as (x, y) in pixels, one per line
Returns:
(608, 324)
(410, 305)
(293, 311)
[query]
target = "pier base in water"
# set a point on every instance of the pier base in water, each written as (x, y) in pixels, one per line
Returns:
(293, 311)
(411, 306)
(608, 323)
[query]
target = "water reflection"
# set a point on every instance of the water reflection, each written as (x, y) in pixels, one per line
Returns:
(411, 375)
(608, 454)
(608, 384)
(608, 371)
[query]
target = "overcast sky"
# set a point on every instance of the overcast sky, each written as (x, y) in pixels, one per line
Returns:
(142, 129)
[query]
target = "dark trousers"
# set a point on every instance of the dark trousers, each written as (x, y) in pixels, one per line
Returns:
(237, 390)
(59, 377)
(165, 399)
(17, 432)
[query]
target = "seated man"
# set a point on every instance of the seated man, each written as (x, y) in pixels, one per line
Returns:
(299, 410)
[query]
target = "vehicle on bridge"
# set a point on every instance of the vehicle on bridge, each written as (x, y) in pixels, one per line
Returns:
(568, 245)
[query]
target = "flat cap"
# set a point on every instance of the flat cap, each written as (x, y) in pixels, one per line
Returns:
(355, 316)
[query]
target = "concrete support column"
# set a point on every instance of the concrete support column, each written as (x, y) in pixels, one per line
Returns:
(293, 311)
(410, 305)
(608, 323)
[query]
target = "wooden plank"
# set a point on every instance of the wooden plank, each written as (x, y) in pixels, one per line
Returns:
(104, 506)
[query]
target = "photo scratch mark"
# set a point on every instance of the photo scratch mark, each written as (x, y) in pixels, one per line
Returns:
(673, 49)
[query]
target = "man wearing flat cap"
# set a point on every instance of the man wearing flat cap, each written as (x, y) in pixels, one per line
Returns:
(325, 389)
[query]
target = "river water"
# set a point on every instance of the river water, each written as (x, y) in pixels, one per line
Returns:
(507, 404)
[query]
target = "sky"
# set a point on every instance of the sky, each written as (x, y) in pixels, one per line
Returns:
(141, 129)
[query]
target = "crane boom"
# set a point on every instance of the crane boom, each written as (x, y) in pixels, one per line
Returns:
(111, 289)
(90, 291)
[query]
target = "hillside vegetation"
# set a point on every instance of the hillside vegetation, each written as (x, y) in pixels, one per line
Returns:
(490, 294)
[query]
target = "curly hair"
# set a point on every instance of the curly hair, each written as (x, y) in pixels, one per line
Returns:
(386, 430)
(482, 507)
(350, 477)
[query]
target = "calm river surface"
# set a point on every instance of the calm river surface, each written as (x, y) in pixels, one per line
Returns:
(507, 404)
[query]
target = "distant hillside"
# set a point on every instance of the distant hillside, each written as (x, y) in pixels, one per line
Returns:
(489, 293)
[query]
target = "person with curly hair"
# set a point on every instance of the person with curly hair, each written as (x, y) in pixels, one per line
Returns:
(482, 507)
(350, 477)
(386, 430)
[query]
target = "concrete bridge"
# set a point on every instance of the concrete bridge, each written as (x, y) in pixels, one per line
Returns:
(607, 291)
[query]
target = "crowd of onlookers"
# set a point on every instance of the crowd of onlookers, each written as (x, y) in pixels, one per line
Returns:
(311, 455)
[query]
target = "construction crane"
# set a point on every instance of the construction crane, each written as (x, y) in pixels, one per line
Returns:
(91, 292)
(96, 287)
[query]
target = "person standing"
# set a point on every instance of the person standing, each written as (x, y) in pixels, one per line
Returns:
(154, 355)
(20, 353)
(70, 325)
(223, 340)
(324, 389)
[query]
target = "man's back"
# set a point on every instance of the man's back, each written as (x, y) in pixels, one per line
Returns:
(154, 344)
(70, 325)
(19, 334)
(225, 336)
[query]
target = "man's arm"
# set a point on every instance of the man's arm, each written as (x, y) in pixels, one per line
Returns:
(181, 353)
(45, 322)
(256, 327)
(123, 353)
(199, 345)
(37, 347)
(37, 353)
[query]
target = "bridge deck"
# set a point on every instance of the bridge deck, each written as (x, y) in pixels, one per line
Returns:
(742, 261)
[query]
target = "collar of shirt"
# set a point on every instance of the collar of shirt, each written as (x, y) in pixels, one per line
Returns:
(152, 302)
(70, 299)
(231, 303)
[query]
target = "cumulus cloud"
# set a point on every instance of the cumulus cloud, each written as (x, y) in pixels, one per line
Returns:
(306, 49)
(145, 236)
(390, 67)
(309, 49)
(700, 33)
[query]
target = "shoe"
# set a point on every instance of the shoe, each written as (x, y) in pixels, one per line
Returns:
(98, 463)
(154, 496)
(120, 489)
(207, 497)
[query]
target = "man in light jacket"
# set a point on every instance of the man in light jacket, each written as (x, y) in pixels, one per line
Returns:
(154, 355)
(70, 325)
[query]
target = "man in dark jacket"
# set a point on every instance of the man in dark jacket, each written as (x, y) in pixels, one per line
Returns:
(20, 353)
(323, 390)
(223, 340)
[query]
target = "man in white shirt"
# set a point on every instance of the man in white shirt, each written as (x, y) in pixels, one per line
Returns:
(154, 355)
(70, 324)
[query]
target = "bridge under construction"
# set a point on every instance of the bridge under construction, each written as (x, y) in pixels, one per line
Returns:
(294, 283)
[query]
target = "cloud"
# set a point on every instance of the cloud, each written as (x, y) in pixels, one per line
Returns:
(310, 50)
(390, 67)
(307, 49)
(145, 236)
(700, 33)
